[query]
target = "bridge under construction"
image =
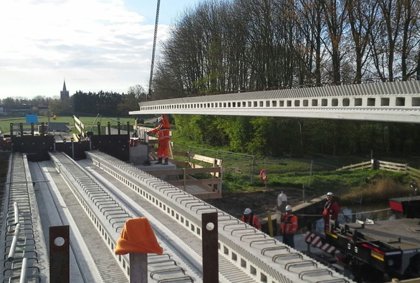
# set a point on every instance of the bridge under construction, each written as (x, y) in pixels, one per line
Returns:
(96, 195)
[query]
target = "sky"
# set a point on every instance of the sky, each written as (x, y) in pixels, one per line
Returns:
(91, 44)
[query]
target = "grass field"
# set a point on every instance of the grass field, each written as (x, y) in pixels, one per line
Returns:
(89, 122)
(316, 173)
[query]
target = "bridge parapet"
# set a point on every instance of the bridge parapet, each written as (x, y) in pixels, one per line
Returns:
(260, 257)
(394, 102)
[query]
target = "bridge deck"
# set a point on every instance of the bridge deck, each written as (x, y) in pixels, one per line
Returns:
(96, 196)
(395, 102)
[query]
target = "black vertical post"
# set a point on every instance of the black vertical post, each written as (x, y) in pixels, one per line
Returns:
(21, 129)
(109, 128)
(128, 128)
(72, 148)
(119, 128)
(59, 254)
(99, 128)
(210, 247)
(42, 129)
(11, 129)
(32, 129)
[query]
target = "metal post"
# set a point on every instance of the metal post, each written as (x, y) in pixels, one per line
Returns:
(32, 129)
(119, 128)
(109, 128)
(270, 225)
(16, 212)
(11, 129)
(209, 226)
(138, 268)
(99, 128)
(128, 128)
(185, 179)
(11, 254)
(24, 270)
(59, 254)
(72, 148)
(42, 129)
(21, 129)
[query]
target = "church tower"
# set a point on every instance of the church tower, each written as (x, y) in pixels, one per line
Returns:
(64, 94)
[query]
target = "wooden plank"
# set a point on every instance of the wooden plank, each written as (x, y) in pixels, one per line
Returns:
(201, 182)
(203, 158)
(188, 171)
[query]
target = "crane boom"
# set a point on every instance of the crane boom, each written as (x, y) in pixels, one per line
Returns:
(154, 48)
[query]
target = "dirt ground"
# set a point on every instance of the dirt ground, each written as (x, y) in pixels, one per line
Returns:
(261, 202)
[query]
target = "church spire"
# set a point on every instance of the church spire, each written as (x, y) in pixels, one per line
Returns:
(64, 94)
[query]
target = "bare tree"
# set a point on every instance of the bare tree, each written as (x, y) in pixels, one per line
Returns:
(361, 16)
(410, 37)
(335, 17)
(310, 23)
(384, 38)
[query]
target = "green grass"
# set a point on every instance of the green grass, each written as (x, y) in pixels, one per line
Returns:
(317, 173)
(89, 122)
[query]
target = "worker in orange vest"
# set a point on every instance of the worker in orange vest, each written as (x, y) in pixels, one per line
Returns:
(250, 218)
(288, 226)
(162, 132)
(330, 211)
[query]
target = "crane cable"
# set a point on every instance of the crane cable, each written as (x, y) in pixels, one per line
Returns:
(154, 49)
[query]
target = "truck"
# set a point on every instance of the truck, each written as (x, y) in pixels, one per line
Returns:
(378, 250)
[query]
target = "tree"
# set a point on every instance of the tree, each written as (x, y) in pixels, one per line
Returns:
(361, 16)
(335, 17)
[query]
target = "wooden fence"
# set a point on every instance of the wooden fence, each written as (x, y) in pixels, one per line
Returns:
(209, 168)
(383, 165)
(357, 166)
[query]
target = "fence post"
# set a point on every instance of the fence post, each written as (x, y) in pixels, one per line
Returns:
(59, 254)
(209, 227)
(252, 169)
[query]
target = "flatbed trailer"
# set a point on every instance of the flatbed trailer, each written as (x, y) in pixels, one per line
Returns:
(390, 248)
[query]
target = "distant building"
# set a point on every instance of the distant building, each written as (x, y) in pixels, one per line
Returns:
(64, 94)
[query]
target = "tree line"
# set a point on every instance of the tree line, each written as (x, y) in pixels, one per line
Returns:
(248, 45)
(82, 103)
(279, 137)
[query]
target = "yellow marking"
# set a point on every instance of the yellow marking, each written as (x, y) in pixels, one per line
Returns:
(331, 235)
(376, 255)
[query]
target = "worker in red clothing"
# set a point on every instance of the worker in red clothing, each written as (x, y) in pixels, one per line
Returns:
(289, 226)
(250, 218)
(331, 210)
(162, 132)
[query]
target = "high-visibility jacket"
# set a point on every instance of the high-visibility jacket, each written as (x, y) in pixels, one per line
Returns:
(288, 224)
(331, 209)
(252, 220)
(164, 138)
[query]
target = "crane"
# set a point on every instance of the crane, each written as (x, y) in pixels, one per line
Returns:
(153, 49)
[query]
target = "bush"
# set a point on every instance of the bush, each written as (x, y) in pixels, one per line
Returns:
(377, 190)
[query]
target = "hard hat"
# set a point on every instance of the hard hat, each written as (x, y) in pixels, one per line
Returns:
(247, 211)
(288, 207)
(330, 194)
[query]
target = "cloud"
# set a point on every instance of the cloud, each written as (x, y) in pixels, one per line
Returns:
(93, 44)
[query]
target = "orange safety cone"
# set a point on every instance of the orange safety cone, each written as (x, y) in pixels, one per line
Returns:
(137, 239)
